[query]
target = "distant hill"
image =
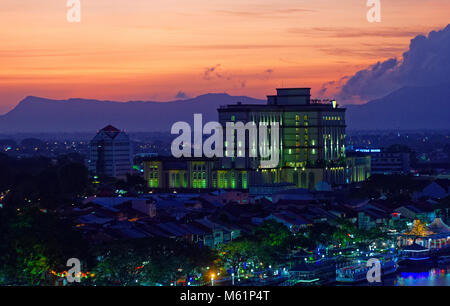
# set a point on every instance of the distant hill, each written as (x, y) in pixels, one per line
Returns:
(34, 114)
(408, 108)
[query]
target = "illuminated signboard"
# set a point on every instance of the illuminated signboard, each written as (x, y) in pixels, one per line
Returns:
(368, 150)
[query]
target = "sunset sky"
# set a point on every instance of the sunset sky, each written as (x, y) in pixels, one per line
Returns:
(153, 50)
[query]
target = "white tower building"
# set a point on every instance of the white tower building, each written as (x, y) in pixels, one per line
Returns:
(110, 153)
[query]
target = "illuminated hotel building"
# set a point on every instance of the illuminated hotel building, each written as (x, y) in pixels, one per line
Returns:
(312, 138)
(311, 148)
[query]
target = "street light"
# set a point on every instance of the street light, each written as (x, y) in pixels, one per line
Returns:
(212, 279)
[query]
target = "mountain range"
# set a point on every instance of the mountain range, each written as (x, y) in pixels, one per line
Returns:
(409, 108)
(34, 114)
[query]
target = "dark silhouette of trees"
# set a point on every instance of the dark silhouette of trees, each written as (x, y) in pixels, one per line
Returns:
(32, 243)
(149, 261)
(39, 182)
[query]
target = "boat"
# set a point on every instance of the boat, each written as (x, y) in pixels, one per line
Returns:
(320, 272)
(357, 272)
(415, 255)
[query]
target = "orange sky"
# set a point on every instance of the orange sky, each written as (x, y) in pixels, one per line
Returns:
(151, 50)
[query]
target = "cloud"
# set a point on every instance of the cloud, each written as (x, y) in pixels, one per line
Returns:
(265, 12)
(330, 88)
(373, 52)
(238, 46)
(325, 88)
(349, 32)
(181, 95)
(213, 72)
(427, 62)
(208, 73)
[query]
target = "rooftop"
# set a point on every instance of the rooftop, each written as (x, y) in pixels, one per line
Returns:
(111, 131)
(289, 97)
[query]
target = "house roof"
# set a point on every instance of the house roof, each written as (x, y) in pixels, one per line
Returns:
(110, 128)
(110, 131)
(291, 219)
(154, 230)
(439, 227)
(444, 183)
(109, 202)
(93, 219)
(419, 229)
(174, 229)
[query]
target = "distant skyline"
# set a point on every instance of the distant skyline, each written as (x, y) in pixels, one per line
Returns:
(161, 51)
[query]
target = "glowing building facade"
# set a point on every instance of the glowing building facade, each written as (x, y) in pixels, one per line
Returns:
(312, 139)
(311, 149)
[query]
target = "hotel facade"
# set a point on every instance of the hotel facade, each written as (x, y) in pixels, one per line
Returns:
(311, 149)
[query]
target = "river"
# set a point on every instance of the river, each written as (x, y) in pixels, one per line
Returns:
(420, 276)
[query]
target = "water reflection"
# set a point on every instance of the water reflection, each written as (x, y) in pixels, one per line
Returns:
(420, 276)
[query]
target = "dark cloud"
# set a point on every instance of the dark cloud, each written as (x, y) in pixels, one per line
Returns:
(427, 62)
(325, 88)
(209, 72)
(332, 86)
(267, 74)
(213, 72)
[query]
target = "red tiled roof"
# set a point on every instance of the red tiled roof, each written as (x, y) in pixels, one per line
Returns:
(110, 128)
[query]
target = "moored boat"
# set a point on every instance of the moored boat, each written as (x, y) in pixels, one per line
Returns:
(357, 272)
(415, 255)
(321, 272)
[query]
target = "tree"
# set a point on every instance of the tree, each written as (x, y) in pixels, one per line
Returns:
(148, 261)
(372, 235)
(118, 264)
(33, 243)
(235, 252)
(320, 234)
(273, 242)
(269, 244)
(74, 178)
(272, 233)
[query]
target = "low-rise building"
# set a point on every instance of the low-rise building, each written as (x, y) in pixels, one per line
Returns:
(388, 161)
